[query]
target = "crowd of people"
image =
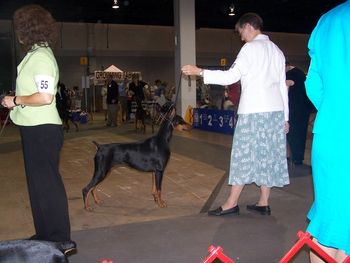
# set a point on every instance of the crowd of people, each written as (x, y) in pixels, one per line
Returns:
(119, 98)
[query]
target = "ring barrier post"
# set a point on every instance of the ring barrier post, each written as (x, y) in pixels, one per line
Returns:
(305, 238)
(217, 253)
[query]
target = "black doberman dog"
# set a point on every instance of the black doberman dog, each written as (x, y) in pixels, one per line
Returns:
(140, 116)
(150, 155)
(63, 104)
(31, 251)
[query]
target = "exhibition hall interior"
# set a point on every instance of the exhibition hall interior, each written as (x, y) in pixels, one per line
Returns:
(139, 43)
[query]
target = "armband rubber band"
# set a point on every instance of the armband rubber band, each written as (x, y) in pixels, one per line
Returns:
(14, 100)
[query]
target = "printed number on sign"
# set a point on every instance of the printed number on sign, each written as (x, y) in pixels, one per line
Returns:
(44, 84)
(221, 121)
(231, 122)
(210, 120)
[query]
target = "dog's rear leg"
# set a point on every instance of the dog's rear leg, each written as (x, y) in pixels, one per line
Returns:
(156, 188)
(86, 194)
(101, 170)
(95, 196)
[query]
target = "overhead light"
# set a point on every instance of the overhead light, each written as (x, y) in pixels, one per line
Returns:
(115, 4)
(232, 10)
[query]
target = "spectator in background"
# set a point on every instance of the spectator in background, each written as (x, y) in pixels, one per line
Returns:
(112, 101)
(216, 95)
(123, 89)
(170, 93)
(104, 101)
(299, 112)
(327, 86)
(199, 92)
(76, 98)
(156, 87)
(136, 87)
(234, 93)
(161, 88)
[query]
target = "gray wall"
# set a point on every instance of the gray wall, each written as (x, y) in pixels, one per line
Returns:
(150, 49)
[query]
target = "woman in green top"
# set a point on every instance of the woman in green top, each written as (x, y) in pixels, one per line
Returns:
(33, 109)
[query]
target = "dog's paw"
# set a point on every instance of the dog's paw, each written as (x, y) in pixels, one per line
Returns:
(89, 208)
(162, 204)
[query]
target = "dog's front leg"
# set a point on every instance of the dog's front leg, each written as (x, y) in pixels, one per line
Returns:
(156, 189)
(161, 203)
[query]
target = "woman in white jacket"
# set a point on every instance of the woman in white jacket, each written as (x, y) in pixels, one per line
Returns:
(259, 145)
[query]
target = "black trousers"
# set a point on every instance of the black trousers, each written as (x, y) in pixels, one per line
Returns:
(41, 148)
(296, 136)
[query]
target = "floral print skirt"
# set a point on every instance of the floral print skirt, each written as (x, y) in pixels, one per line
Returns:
(259, 153)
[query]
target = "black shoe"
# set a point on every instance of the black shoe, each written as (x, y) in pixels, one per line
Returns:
(67, 247)
(219, 212)
(263, 210)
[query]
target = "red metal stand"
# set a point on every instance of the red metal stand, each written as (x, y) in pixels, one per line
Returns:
(347, 260)
(217, 253)
(304, 238)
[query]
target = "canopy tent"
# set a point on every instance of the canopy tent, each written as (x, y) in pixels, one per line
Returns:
(112, 68)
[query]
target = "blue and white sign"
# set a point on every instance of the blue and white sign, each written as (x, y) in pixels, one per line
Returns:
(214, 120)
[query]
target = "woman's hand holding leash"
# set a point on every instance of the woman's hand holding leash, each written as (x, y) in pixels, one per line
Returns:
(190, 70)
(8, 102)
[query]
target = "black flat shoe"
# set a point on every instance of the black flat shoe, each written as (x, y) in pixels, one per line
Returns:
(219, 212)
(263, 210)
(67, 247)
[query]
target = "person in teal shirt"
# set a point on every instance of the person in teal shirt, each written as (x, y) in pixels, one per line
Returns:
(34, 111)
(327, 86)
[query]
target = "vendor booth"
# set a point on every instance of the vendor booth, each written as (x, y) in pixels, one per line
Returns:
(98, 80)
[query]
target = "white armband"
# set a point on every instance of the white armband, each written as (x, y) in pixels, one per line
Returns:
(45, 84)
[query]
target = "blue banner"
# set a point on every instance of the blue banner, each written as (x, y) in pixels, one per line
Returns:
(214, 120)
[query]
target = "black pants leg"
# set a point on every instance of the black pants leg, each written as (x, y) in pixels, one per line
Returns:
(41, 149)
(297, 135)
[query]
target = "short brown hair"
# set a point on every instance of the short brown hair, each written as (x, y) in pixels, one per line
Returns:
(252, 19)
(34, 25)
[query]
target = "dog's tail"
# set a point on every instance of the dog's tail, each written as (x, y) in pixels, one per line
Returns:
(97, 145)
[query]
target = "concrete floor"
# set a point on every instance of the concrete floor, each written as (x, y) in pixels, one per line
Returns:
(129, 227)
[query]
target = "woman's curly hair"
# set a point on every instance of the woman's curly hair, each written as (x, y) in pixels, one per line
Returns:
(35, 25)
